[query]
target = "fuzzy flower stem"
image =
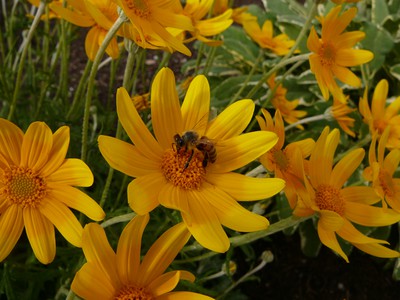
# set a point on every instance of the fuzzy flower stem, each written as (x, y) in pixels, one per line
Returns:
(26, 43)
(91, 80)
(251, 73)
(306, 120)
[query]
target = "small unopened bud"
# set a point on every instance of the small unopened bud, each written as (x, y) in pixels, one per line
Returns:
(232, 268)
(267, 256)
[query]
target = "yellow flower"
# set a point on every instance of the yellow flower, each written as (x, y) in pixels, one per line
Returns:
(108, 275)
(36, 189)
(141, 102)
(286, 163)
(99, 15)
(279, 44)
(333, 52)
(285, 106)
(197, 10)
(171, 170)
(339, 206)
(381, 170)
(152, 17)
(339, 111)
(379, 117)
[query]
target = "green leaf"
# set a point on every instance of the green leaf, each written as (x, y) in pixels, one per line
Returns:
(310, 243)
(395, 71)
(379, 11)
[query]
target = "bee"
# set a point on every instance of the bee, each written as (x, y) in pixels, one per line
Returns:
(190, 141)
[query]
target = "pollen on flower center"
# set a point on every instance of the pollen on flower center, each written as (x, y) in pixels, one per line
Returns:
(182, 171)
(139, 7)
(328, 197)
(133, 293)
(23, 187)
(281, 159)
(327, 54)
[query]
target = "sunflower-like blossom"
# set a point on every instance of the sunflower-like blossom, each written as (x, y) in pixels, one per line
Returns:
(286, 107)
(120, 275)
(286, 163)
(203, 28)
(37, 188)
(99, 15)
(188, 165)
(379, 117)
(264, 37)
(339, 207)
(333, 53)
(340, 111)
(381, 170)
(151, 20)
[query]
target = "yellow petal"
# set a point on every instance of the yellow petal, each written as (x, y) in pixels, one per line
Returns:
(231, 121)
(351, 234)
(126, 158)
(244, 188)
(231, 214)
(369, 215)
(165, 109)
(349, 39)
(11, 226)
(391, 161)
(36, 146)
(10, 143)
(346, 76)
(330, 220)
(377, 250)
(81, 20)
(346, 167)
(135, 127)
(91, 42)
(78, 200)
(164, 283)
(313, 43)
(40, 232)
(196, 105)
(162, 253)
(240, 150)
(98, 251)
(63, 219)
(128, 251)
(58, 151)
(72, 172)
(174, 197)
(360, 194)
(353, 57)
(204, 224)
(98, 16)
(379, 99)
(328, 238)
(143, 192)
(87, 281)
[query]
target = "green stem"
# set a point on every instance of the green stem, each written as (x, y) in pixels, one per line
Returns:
(251, 73)
(164, 62)
(210, 59)
(306, 120)
(26, 42)
(89, 94)
(79, 90)
(198, 60)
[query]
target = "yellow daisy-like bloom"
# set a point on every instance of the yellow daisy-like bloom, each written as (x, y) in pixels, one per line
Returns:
(151, 18)
(264, 37)
(333, 53)
(120, 276)
(36, 189)
(194, 178)
(99, 15)
(141, 102)
(381, 170)
(197, 10)
(339, 111)
(379, 117)
(286, 163)
(339, 206)
(286, 107)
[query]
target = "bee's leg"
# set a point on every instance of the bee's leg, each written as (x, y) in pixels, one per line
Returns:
(188, 161)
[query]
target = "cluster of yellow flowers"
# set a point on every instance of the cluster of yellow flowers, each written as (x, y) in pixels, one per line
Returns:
(187, 163)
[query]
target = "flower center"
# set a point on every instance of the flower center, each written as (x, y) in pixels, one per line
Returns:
(380, 125)
(23, 187)
(182, 169)
(328, 197)
(327, 53)
(139, 7)
(133, 293)
(281, 160)
(386, 183)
